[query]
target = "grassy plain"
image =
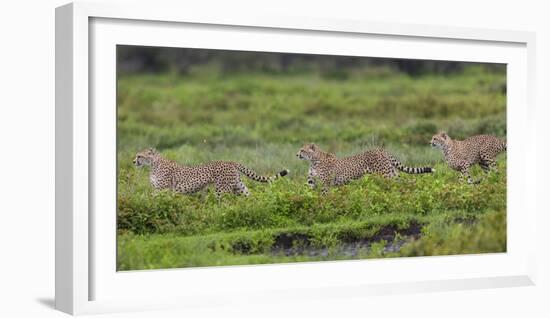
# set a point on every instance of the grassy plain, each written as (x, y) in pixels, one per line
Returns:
(261, 120)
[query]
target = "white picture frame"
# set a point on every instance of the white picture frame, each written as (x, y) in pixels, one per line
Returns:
(87, 282)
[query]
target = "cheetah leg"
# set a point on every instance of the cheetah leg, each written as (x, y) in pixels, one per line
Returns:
(466, 174)
(201, 193)
(241, 188)
(340, 181)
(220, 189)
(310, 179)
(219, 195)
(326, 181)
(484, 166)
(488, 165)
(392, 174)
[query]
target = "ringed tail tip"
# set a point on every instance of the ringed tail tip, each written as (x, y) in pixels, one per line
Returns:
(283, 173)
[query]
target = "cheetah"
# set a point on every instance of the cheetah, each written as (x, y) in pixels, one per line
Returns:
(460, 155)
(224, 175)
(333, 171)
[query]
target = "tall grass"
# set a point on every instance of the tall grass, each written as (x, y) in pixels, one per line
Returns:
(261, 121)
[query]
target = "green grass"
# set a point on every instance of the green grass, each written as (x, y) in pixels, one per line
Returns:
(261, 121)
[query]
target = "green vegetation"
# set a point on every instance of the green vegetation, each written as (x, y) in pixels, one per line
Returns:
(261, 120)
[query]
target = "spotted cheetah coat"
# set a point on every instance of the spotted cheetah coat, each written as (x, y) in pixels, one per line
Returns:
(225, 176)
(460, 155)
(333, 171)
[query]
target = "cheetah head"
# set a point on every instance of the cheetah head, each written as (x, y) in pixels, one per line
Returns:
(145, 157)
(439, 140)
(308, 152)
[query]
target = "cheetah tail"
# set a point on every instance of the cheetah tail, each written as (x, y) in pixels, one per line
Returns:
(412, 170)
(254, 176)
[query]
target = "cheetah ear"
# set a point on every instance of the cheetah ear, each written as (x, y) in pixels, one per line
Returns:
(152, 150)
(313, 146)
(444, 135)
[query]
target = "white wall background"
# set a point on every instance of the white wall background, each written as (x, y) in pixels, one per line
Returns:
(27, 158)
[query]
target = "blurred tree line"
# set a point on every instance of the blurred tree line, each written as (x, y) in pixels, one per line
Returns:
(142, 59)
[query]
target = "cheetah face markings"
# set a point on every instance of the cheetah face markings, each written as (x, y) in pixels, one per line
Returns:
(141, 161)
(308, 152)
(439, 140)
(145, 157)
